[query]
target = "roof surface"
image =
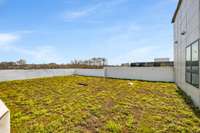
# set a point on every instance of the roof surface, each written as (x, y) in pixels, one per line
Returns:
(177, 9)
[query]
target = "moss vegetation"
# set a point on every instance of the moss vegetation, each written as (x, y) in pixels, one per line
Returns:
(87, 104)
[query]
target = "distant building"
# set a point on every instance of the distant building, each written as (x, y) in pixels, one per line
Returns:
(21, 62)
(161, 60)
(98, 62)
(126, 65)
(92, 62)
(152, 64)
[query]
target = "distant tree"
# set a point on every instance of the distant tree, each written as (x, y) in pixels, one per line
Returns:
(8, 63)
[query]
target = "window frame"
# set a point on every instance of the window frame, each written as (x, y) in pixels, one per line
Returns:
(190, 72)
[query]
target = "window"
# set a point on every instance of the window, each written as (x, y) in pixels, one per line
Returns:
(192, 64)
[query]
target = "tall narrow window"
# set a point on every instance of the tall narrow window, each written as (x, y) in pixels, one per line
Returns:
(192, 64)
(188, 65)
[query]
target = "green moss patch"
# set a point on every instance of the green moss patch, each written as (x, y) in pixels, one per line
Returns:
(87, 104)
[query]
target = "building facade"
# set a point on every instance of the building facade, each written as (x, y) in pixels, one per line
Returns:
(152, 64)
(92, 62)
(186, 23)
(161, 60)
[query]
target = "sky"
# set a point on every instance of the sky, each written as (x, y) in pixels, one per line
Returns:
(46, 31)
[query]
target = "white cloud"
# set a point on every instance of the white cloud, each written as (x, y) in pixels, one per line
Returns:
(69, 16)
(73, 15)
(136, 55)
(143, 54)
(7, 37)
(39, 54)
(25, 32)
(45, 54)
(133, 42)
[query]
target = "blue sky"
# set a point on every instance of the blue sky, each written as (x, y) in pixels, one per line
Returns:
(44, 31)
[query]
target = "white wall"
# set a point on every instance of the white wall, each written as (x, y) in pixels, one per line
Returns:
(141, 73)
(4, 118)
(138, 73)
(6, 75)
(90, 72)
(187, 20)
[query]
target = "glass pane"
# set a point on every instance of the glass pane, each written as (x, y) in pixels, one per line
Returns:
(195, 55)
(188, 59)
(195, 69)
(195, 64)
(188, 68)
(188, 77)
(192, 64)
(195, 79)
(188, 53)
